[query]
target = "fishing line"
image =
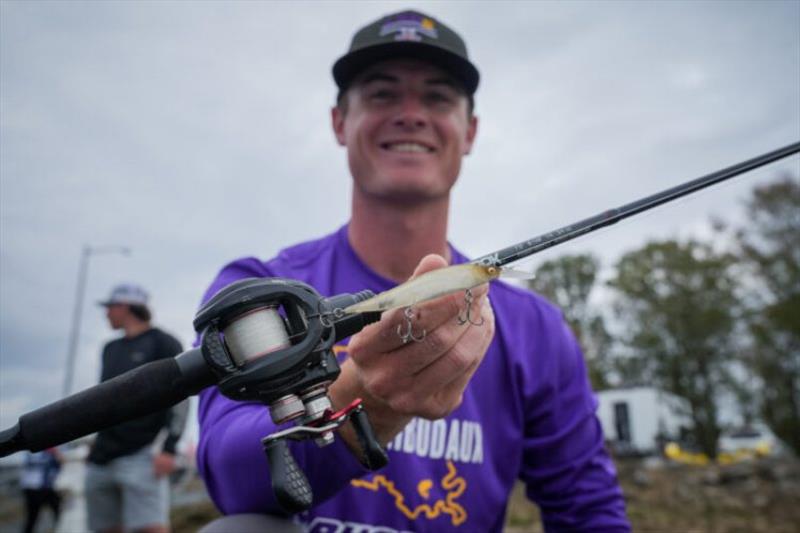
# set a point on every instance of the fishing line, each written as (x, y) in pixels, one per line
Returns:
(255, 334)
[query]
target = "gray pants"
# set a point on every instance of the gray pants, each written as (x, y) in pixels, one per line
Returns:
(126, 492)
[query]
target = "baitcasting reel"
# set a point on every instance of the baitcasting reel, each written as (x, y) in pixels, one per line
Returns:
(271, 340)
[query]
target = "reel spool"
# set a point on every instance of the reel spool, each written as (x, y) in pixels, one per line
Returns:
(255, 334)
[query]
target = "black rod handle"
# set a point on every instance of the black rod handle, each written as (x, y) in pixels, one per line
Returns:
(142, 391)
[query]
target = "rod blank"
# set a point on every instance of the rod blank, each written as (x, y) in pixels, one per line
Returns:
(612, 216)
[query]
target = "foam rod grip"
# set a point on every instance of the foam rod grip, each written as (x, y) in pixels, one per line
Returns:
(142, 391)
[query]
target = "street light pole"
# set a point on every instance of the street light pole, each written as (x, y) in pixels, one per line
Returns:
(74, 334)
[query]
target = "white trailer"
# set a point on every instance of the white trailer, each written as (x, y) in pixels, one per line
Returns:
(633, 418)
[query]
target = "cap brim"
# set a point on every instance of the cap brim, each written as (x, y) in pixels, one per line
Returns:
(109, 303)
(351, 64)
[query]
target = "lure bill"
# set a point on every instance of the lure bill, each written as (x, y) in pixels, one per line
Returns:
(488, 267)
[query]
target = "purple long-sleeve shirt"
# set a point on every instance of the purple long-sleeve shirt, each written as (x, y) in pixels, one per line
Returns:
(528, 413)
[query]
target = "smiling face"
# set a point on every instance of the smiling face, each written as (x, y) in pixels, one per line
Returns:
(406, 125)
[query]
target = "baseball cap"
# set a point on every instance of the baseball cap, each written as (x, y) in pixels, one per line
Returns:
(407, 34)
(128, 294)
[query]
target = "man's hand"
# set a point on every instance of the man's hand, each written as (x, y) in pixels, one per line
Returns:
(427, 379)
(164, 464)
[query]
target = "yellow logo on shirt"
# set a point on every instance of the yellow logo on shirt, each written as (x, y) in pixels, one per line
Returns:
(454, 485)
(339, 349)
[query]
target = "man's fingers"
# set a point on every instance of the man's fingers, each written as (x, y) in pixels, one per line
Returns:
(436, 390)
(383, 336)
(407, 374)
(470, 347)
(449, 397)
(435, 322)
(417, 355)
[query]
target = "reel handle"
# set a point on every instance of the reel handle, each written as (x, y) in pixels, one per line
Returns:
(290, 486)
(373, 456)
(289, 483)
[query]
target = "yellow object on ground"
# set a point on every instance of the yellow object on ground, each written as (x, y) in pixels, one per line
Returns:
(674, 452)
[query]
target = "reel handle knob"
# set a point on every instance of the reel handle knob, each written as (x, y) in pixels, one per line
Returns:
(291, 487)
(373, 456)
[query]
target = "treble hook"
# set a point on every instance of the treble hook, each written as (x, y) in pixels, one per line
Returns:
(468, 301)
(408, 335)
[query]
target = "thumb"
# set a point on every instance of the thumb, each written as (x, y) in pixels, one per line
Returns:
(428, 263)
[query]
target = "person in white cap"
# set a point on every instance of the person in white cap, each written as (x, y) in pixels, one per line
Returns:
(126, 479)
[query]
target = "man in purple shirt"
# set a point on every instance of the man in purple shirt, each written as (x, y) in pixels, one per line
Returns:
(472, 407)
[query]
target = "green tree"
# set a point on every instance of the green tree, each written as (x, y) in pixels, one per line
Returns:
(770, 245)
(568, 282)
(677, 303)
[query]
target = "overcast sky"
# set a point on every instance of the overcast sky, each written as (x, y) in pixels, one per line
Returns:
(197, 132)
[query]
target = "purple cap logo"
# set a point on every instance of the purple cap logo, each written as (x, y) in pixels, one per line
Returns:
(409, 27)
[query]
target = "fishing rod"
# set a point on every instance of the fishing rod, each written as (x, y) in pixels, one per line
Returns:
(491, 266)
